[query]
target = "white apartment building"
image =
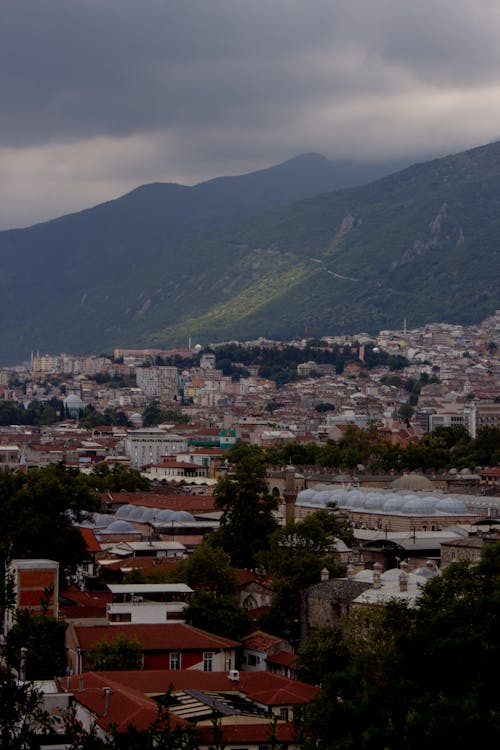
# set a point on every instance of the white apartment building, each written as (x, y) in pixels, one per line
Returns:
(147, 446)
(161, 383)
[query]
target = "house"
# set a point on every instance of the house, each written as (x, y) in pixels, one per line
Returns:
(171, 646)
(138, 603)
(228, 709)
(259, 650)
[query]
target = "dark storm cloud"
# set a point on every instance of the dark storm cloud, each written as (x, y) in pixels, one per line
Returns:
(98, 95)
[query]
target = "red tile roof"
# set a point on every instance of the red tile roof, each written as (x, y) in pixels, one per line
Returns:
(264, 687)
(177, 501)
(260, 641)
(155, 637)
(283, 658)
(127, 706)
(90, 540)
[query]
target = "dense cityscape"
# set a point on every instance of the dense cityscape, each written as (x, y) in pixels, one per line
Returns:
(246, 521)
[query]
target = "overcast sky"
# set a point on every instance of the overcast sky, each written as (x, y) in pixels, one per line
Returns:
(99, 96)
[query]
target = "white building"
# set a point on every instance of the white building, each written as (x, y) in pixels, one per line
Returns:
(147, 446)
(143, 603)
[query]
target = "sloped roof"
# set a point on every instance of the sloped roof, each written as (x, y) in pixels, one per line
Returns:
(155, 637)
(283, 658)
(126, 705)
(90, 539)
(263, 687)
(260, 641)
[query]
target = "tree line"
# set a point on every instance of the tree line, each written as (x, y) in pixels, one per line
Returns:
(443, 448)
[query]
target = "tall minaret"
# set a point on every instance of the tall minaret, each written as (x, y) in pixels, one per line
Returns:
(290, 493)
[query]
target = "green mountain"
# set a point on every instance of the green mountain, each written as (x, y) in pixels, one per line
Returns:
(421, 243)
(55, 277)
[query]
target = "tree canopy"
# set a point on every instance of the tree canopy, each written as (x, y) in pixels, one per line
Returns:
(426, 676)
(247, 520)
(37, 510)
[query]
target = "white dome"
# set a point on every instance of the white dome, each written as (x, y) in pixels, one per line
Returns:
(452, 506)
(165, 515)
(136, 513)
(305, 495)
(374, 501)
(420, 506)
(124, 511)
(119, 527)
(182, 516)
(393, 504)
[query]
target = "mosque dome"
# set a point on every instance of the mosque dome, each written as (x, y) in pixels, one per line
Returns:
(119, 527)
(165, 515)
(420, 506)
(149, 514)
(305, 495)
(393, 504)
(101, 520)
(124, 511)
(414, 482)
(136, 513)
(452, 506)
(374, 501)
(183, 516)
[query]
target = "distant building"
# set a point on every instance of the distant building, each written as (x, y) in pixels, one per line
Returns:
(36, 588)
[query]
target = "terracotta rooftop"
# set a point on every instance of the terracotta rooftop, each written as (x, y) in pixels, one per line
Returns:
(283, 658)
(260, 641)
(264, 687)
(173, 501)
(90, 539)
(127, 705)
(155, 637)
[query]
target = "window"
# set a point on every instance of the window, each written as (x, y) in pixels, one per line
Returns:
(284, 714)
(208, 658)
(120, 617)
(175, 660)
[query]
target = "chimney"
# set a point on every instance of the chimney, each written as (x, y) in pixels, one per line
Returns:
(107, 692)
(377, 580)
(81, 686)
(403, 581)
(325, 575)
(351, 570)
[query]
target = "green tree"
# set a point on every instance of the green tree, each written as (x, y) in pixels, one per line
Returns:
(247, 520)
(428, 674)
(117, 477)
(217, 614)
(23, 722)
(209, 568)
(297, 554)
(322, 653)
(118, 654)
(37, 512)
(43, 637)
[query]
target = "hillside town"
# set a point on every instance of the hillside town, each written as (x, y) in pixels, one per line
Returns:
(178, 448)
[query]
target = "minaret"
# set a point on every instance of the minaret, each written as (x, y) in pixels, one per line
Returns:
(290, 493)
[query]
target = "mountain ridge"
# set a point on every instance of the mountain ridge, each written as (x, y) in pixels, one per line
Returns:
(358, 258)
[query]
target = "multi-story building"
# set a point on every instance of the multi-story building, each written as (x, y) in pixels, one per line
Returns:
(161, 383)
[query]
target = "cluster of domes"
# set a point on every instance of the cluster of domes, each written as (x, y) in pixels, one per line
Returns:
(144, 514)
(122, 521)
(384, 502)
